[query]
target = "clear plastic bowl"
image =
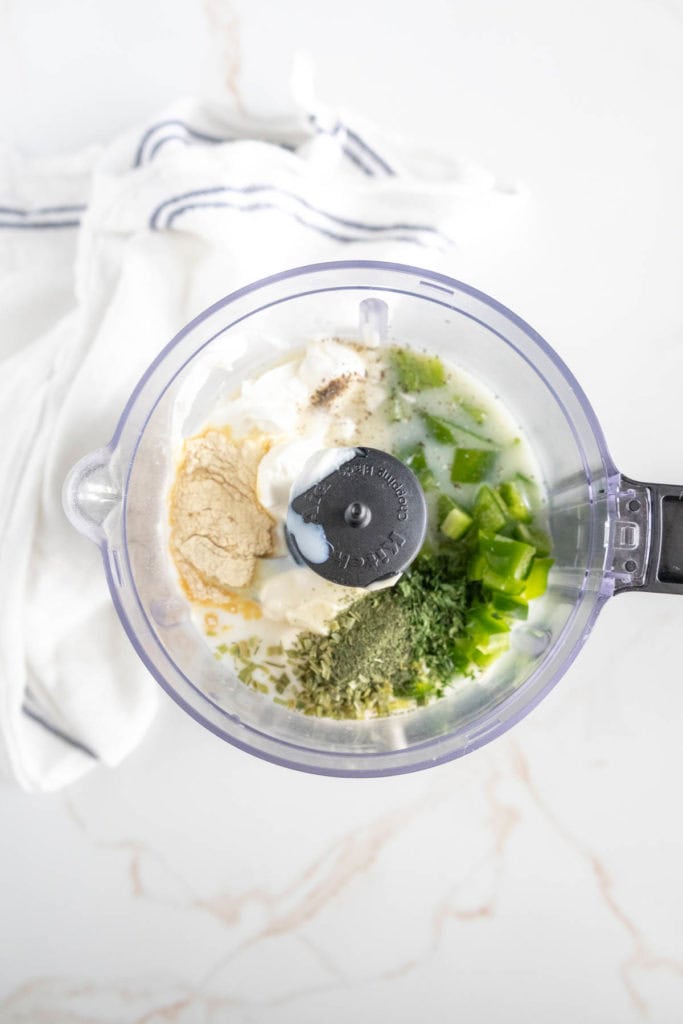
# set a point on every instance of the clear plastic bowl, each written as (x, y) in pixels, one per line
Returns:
(117, 497)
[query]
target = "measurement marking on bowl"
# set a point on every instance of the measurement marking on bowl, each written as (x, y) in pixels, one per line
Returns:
(439, 287)
(117, 567)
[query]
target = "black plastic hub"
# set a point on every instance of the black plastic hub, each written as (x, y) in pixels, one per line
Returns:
(367, 520)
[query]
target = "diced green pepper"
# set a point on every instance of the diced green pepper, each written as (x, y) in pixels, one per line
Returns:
(472, 433)
(506, 584)
(438, 428)
(495, 642)
(489, 510)
(417, 460)
(473, 411)
(418, 372)
(537, 582)
(529, 489)
(472, 465)
(482, 660)
(446, 431)
(496, 645)
(398, 409)
(444, 506)
(510, 606)
(476, 567)
(461, 659)
(532, 534)
(419, 689)
(422, 691)
(515, 501)
(510, 559)
(456, 523)
(482, 621)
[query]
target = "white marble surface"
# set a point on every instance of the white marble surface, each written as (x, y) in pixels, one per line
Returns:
(539, 878)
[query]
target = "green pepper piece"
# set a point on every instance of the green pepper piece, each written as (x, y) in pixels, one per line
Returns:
(476, 567)
(534, 535)
(472, 433)
(515, 501)
(417, 460)
(473, 411)
(505, 584)
(456, 523)
(483, 621)
(419, 689)
(490, 510)
(496, 645)
(444, 506)
(446, 431)
(482, 660)
(529, 490)
(471, 465)
(537, 581)
(438, 428)
(417, 372)
(398, 409)
(497, 642)
(461, 660)
(502, 564)
(510, 606)
(510, 559)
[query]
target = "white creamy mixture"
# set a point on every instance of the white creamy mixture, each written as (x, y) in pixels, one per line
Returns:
(328, 396)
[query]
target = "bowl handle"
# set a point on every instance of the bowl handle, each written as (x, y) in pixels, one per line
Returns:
(647, 538)
(91, 491)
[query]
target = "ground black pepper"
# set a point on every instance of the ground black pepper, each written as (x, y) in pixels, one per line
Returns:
(327, 392)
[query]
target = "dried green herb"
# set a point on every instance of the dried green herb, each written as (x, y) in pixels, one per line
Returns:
(435, 592)
(394, 643)
(349, 671)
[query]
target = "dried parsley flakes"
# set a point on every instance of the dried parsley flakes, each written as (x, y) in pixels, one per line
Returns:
(396, 643)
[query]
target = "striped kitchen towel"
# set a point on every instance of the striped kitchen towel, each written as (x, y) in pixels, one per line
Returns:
(103, 257)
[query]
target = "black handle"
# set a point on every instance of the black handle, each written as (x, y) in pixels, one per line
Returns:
(648, 538)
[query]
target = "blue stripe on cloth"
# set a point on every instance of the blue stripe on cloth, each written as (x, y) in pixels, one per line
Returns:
(184, 133)
(58, 733)
(24, 225)
(22, 219)
(380, 161)
(353, 137)
(337, 221)
(348, 152)
(255, 207)
(162, 142)
(171, 123)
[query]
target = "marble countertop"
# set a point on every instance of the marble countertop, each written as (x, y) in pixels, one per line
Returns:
(540, 877)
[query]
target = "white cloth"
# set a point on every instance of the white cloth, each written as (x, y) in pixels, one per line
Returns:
(103, 257)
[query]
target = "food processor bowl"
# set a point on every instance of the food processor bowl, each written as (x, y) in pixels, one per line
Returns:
(609, 533)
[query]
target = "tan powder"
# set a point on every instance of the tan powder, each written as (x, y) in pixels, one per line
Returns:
(218, 528)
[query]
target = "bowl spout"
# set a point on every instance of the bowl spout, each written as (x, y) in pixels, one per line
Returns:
(91, 491)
